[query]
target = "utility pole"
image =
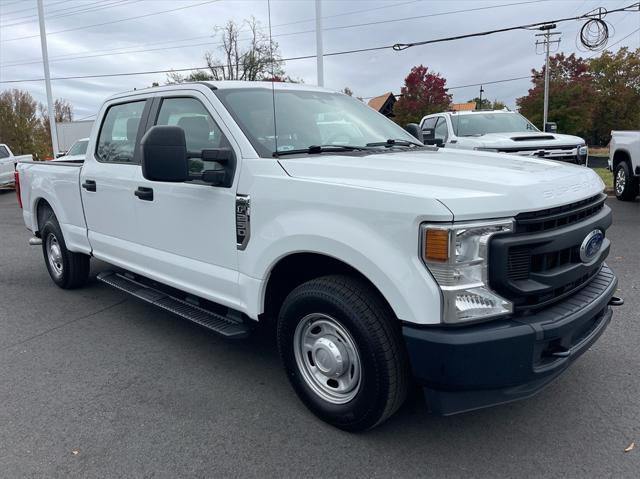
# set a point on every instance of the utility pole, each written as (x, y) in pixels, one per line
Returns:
(481, 91)
(547, 44)
(319, 52)
(47, 79)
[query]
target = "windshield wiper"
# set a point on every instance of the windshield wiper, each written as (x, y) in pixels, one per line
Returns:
(395, 142)
(316, 149)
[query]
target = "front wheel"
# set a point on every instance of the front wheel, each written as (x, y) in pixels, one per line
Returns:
(624, 183)
(67, 269)
(343, 352)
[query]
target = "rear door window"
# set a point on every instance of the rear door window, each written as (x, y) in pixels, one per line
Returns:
(4, 153)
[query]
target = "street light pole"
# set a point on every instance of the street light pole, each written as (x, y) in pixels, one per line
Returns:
(480, 105)
(319, 48)
(47, 79)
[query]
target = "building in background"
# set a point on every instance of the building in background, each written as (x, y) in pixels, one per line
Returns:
(71, 131)
(384, 104)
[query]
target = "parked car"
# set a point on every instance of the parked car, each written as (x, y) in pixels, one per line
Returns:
(500, 131)
(77, 151)
(8, 163)
(376, 258)
(624, 162)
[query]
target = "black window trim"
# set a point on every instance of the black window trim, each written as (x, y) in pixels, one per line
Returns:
(136, 160)
(443, 118)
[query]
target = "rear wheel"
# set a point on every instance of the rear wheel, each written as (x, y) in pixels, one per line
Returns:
(67, 269)
(625, 184)
(343, 352)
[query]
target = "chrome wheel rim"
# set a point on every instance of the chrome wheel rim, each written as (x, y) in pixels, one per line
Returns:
(621, 180)
(54, 254)
(327, 358)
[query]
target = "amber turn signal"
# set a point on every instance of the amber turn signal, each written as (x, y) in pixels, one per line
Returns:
(436, 247)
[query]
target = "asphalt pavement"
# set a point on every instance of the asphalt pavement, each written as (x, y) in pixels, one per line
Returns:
(94, 383)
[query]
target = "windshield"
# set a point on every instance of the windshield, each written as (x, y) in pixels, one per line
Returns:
(478, 124)
(78, 148)
(306, 118)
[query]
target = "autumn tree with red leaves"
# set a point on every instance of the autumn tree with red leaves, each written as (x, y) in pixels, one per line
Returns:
(423, 93)
(572, 97)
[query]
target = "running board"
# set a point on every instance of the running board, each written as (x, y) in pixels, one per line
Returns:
(224, 325)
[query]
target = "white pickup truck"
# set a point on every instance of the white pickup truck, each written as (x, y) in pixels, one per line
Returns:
(500, 131)
(377, 259)
(8, 163)
(624, 162)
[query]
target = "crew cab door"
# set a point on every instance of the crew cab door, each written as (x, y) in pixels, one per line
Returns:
(106, 181)
(187, 231)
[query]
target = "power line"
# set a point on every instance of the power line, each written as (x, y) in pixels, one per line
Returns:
(30, 8)
(71, 58)
(113, 21)
(100, 5)
(344, 52)
(50, 13)
(404, 46)
(615, 43)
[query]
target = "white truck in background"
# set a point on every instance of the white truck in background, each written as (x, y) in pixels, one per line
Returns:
(376, 259)
(8, 163)
(624, 162)
(71, 131)
(500, 131)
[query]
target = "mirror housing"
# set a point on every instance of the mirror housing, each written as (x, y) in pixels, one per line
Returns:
(414, 130)
(164, 154)
(429, 135)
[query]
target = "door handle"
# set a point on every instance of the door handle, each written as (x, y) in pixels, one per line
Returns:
(145, 194)
(89, 185)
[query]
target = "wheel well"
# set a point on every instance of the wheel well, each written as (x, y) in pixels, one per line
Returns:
(295, 269)
(43, 211)
(620, 156)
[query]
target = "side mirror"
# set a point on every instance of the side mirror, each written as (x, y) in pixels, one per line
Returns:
(414, 129)
(429, 135)
(224, 165)
(164, 154)
(551, 127)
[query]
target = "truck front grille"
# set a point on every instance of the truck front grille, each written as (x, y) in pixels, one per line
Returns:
(540, 263)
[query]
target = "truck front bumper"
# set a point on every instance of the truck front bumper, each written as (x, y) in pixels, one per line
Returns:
(476, 366)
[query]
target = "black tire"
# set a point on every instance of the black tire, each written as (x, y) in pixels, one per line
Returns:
(625, 185)
(74, 267)
(375, 331)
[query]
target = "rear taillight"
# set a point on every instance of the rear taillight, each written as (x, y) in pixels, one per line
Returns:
(16, 177)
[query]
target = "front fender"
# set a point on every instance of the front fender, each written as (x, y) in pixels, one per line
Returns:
(387, 256)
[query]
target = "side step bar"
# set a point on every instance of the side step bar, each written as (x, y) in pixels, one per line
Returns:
(224, 325)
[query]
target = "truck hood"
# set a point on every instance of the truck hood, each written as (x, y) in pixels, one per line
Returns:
(523, 140)
(471, 184)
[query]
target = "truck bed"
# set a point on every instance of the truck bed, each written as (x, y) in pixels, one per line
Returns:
(57, 183)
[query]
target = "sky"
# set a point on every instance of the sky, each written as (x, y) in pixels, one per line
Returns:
(108, 40)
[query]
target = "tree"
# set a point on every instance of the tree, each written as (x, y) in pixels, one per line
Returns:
(616, 78)
(423, 93)
(260, 60)
(487, 104)
(571, 95)
(20, 126)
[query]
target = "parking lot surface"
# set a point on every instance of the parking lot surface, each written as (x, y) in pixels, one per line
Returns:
(94, 383)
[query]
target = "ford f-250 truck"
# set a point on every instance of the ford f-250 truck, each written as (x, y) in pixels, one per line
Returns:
(377, 259)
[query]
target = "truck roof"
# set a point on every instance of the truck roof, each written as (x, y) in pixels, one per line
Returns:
(225, 84)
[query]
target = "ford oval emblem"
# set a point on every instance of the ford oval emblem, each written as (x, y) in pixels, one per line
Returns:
(591, 245)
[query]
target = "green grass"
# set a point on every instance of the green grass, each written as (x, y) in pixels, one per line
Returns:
(606, 176)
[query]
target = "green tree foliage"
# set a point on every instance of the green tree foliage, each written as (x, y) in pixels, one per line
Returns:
(588, 98)
(487, 104)
(616, 77)
(571, 95)
(24, 125)
(423, 93)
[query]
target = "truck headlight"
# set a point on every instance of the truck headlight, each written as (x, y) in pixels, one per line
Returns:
(457, 255)
(583, 150)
